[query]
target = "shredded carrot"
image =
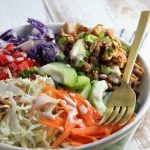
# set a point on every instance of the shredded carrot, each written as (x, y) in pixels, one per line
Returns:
(64, 135)
(74, 134)
(93, 116)
(83, 139)
(64, 106)
(58, 122)
(93, 130)
(74, 143)
(116, 127)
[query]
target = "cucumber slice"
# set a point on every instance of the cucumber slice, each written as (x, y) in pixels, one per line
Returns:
(82, 81)
(86, 91)
(96, 95)
(84, 85)
(61, 73)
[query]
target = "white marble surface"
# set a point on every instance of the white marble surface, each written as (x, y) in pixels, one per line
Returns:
(15, 12)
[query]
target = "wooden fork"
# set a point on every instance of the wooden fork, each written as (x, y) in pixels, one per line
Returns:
(121, 104)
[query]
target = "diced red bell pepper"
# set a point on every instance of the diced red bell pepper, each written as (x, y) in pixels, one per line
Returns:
(13, 67)
(30, 62)
(15, 74)
(10, 47)
(3, 59)
(19, 60)
(3, 75)
(23, 66)
(18, 54)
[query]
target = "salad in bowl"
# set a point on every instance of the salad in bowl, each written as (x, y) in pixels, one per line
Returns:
(54, 87)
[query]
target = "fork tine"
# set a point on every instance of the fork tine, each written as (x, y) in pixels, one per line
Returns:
(107, 113)
(128, 114)
(120, 115)
(113, 115)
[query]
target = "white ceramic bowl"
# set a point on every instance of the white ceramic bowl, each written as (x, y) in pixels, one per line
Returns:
(104, 143)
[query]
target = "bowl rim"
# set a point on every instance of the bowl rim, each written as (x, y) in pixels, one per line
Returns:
(122, 132)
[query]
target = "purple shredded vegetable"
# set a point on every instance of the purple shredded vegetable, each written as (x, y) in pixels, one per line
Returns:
(8, 35)
(43, 53)
(43, 29)
(38, 25)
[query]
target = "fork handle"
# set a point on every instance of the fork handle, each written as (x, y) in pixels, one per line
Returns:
(143, 22)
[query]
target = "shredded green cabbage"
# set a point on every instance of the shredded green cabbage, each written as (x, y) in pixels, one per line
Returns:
(17, 128)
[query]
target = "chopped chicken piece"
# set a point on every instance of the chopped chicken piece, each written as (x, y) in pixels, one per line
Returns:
(119, 57)
(93, 60)
(95, 47)
(104, 49)
(133, 77)
(97, 29)
(106, 56)
(88, 67)
(67, 29)
(109, 32)
(138, 70)
(81, 28)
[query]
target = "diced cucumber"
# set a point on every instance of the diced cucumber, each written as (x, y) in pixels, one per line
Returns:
(61, 73)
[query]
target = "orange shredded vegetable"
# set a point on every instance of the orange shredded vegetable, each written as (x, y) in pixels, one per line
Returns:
(72, 133)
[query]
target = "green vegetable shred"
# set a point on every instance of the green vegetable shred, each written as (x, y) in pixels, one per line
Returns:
(106, 69)
(62, 40)
(107, 39)
(101, 36)
(81, 35)
(110, 52)
(90, 38)
(125, 48)
(60, 56)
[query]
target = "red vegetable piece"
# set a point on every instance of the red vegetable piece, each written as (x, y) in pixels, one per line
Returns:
(10, 47)
(12, 66)
(30, 62)
(18, 54)
(23, 66)
(3, 59)
(3, 75)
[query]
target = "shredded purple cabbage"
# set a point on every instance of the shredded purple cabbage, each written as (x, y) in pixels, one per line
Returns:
(46, 51)
(8, 35)
(43, 29)
(38, 25)
(43, 53)
(21, 40)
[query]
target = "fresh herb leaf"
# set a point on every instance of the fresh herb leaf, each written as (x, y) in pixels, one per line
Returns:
(26, 73)
(30, 72)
